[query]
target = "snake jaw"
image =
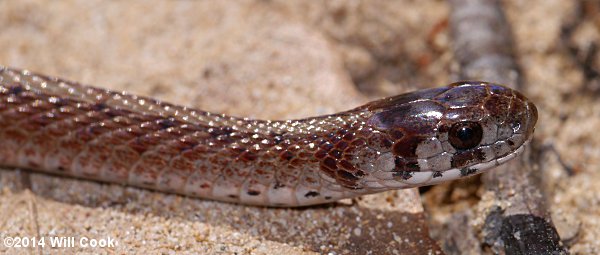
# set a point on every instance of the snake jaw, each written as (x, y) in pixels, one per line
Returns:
(385, 180)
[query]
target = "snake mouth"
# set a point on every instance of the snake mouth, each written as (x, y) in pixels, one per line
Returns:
(425, 178)
(455, 173)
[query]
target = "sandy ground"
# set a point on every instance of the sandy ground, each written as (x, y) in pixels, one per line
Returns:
(286, 59)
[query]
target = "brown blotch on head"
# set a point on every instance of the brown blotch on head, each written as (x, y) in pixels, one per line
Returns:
(396, 134)
(407, 147)
(380, 140)
(496, 105)
(402, 164)
(466, 158)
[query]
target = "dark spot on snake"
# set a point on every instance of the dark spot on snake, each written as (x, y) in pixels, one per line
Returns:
(387, 142)
(342, 131)
(347, 165)
(166, 123)
(286, 155)
(205, 186)
(328, 171)
(311, 194)
(402, 164)
(326, 146)
(467, 171)
(95, 129)
(348, 136)
(341, 145)
(348, 184)
(237, 150)
(277, 139)
(347, 175)
(218, 131)
(328, 197)
(437, 174)
(396, 134)
(248, 156)
(465, 158)
(336, 154)
(413, 165)
(359, 173)
(330, 163)
(296, 162)
(60, 168)
(98, 106)
(42, 120)
(59, 102)
(405, 175)
(358, 142)
(232, 196)
(510, 142)
(111, 113)
(15, 90)
(320, 154)
(253, 192)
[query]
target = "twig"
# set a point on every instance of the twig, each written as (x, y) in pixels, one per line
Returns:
(517, 221)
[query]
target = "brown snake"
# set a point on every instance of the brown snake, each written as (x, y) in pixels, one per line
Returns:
(415, 139)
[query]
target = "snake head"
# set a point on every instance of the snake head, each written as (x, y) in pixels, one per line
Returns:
(440, 134)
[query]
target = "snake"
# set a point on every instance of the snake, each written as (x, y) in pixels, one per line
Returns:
(60, 127)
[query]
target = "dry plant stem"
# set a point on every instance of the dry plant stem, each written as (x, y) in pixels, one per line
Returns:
(483, 47)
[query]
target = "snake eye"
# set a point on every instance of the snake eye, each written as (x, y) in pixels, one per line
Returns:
(465, 135)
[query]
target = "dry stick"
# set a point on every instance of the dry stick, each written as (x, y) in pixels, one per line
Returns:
(517, 221)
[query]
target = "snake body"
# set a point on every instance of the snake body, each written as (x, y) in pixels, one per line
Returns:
(421, 138)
